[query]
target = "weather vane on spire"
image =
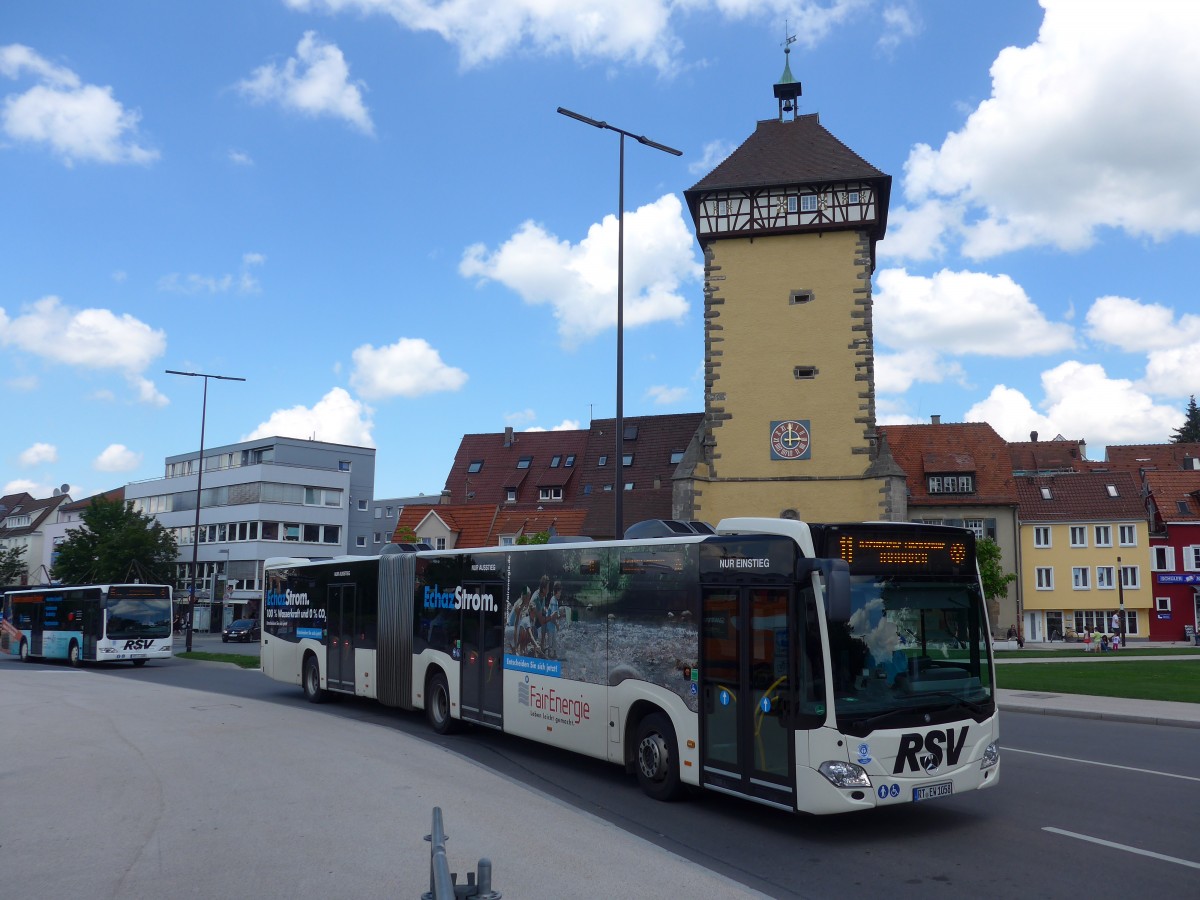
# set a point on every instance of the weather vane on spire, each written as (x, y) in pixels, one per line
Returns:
(787, 90)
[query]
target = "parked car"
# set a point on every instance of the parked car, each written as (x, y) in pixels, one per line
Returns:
(241, 630)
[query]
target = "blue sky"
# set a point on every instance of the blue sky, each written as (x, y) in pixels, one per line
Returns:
(370, 210)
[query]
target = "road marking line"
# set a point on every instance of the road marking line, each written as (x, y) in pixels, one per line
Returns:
(1092, 762)
(1125, 847)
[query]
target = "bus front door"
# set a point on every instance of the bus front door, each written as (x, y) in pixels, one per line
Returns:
(748, 693)
(483, 662)
(341, 613)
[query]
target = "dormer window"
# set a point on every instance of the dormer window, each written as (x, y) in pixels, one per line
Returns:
(1046, 495)
(1112, 490)
(475, 466)
(550, 493)
(555, 461)
(524, 461)
(951, 484)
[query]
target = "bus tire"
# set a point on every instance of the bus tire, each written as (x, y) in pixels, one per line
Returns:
(437, 704)
(311, 681)
(25, 657)
(139, 662)
(73, 655)
(656, 758)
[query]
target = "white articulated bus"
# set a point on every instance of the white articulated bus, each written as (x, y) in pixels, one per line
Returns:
(89, 623)
(814, 668)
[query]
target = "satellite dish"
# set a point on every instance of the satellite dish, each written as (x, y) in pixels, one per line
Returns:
(57, 492)
(65, 488)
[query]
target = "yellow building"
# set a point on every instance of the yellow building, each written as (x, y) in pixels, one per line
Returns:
(788, 225)
(1084, 555)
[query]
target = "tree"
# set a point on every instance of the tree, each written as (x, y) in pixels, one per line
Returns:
(991, 573)
(1189, 431)
(538, 537)
(12, 567)
(116, 543)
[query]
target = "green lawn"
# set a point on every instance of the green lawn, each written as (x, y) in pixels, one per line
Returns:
(1077, 651)
(1148, 680)
(238, 659)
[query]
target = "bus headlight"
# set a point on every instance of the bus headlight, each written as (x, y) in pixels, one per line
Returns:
(991, 755)
(844, 774)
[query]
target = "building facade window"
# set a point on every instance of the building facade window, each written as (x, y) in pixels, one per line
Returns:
(1162, 559)
(1127, 535)
(1103, 535)
(1041, 536)
(1131, 577)
(1045, 578)
(1104, 578)
(1078, 536)
(1080, 579)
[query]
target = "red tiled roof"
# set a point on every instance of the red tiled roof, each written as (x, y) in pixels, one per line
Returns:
(1164, 457)
(1168, 490)
(498, 455)
(963, 447)
(483, 526)
(1057, 455)
(1080, 497)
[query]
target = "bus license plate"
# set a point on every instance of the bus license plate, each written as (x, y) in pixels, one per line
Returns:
(930, 791)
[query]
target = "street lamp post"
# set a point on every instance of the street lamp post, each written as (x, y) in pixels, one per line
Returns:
(619, 477)
(1121, 601)
(199, 480)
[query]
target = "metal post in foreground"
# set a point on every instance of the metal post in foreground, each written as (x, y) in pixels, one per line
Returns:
(442, 881)
(619, 477)
(199, 479)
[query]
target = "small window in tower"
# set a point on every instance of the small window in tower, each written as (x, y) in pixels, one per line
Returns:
(804, 372)
(852, 197)
(808, 203)
(797, 297)
(791, 206)
(722, 207)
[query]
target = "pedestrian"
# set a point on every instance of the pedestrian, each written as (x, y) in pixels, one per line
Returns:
(1104, 643)
(1087, 642)
(1116, 641)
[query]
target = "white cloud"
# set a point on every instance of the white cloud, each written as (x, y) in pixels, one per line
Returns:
(1134, 326)
(336, 418)
(520, 417)
(408, 368)
(662, 395)
(147, 391)
(23, 383)
(919, 233)
(900, 23)
(240, 158)
(1079, 402)
(564, 425)
(713, 154)
(895, 373)
(1091, 126)
(89, 338)
(37, 454)
(580, 281)
(117, 458)
(628, 31)
(315, 82)
(963, 312)
(243, 283)
(22, 485)
(1172, 373)
(79, 122)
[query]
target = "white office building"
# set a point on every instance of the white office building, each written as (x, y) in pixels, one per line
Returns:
(258, 499)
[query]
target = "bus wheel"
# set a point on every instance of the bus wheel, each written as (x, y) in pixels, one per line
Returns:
(139, 662)
(657, 760)
(313, 692)
(25, 651)
(437, 705)
(73, 655)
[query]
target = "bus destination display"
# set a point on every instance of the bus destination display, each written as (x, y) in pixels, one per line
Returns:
(882, 552)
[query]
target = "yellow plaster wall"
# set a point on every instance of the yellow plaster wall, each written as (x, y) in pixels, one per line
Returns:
(1062, 557)
(762, 337)
(854, 500)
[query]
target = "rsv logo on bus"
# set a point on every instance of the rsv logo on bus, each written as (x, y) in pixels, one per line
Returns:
(907, 758)
(139, 644)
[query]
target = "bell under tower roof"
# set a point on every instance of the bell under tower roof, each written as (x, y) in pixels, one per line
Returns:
(788, 89)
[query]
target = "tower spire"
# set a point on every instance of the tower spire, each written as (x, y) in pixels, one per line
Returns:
(787, 89)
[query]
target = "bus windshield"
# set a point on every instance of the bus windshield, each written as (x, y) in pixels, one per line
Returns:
(911, 648)
(139, 619)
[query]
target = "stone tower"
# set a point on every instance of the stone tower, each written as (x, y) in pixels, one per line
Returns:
(788, 225)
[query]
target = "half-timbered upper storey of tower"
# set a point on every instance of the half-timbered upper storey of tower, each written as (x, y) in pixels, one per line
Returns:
(789, 177)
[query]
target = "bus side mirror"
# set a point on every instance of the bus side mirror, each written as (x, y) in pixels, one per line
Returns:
(836, 575)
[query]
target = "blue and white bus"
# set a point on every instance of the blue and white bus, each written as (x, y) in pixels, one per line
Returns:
(813, 668)
(88, 623)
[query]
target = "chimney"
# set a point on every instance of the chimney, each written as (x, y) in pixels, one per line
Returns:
(1033, 436)
(935, 420)
(508, 436)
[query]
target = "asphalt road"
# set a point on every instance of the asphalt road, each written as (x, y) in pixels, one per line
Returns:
(1087, 807)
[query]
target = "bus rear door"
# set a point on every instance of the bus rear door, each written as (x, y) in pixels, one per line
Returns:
(748, 693)
(483, 660)
(342, 622)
